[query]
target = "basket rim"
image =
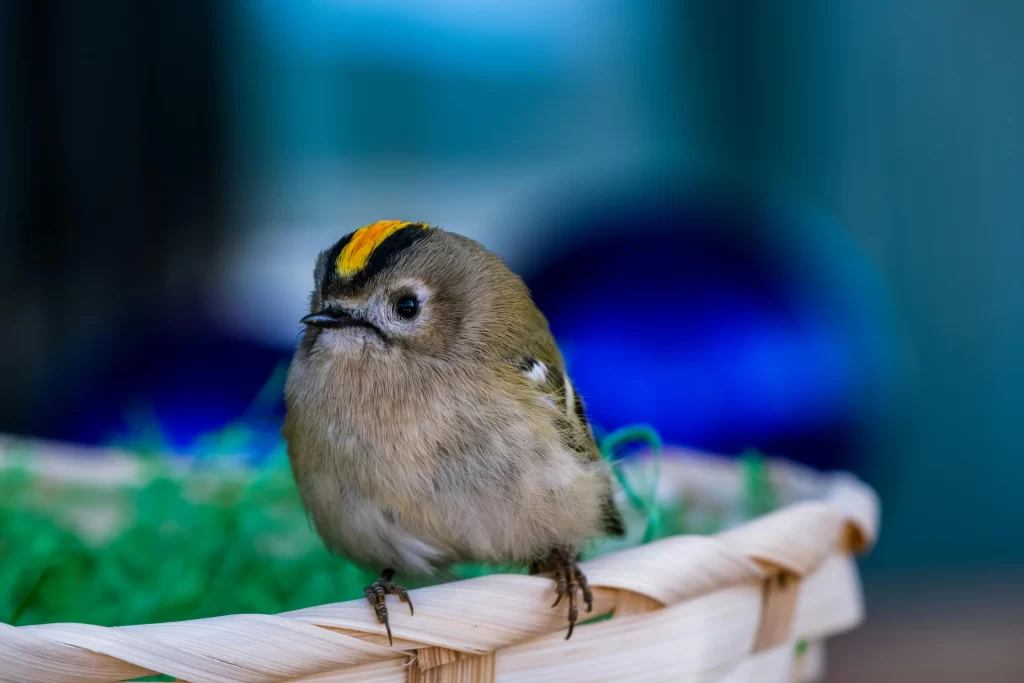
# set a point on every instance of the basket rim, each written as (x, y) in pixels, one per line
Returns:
(810, 538)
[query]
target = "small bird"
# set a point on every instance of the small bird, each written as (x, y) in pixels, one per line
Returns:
(430, 420)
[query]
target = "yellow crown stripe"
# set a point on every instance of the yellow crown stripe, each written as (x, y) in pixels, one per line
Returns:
(357, 252)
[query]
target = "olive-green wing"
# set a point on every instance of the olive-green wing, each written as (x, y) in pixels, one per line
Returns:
(546, 371)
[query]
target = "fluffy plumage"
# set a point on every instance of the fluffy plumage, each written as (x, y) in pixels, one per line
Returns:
(451, 436)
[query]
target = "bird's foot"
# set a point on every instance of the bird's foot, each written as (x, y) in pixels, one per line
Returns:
(569, 581)
(375, 593)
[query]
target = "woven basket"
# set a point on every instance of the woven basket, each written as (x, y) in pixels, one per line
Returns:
(728, 608)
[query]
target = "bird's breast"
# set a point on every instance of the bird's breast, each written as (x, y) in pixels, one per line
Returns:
(417, 476)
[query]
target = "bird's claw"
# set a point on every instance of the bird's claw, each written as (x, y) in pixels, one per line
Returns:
(376, 592)
(569, 581)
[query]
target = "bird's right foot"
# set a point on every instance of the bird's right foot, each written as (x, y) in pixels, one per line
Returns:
(375, 593)
(569, 581)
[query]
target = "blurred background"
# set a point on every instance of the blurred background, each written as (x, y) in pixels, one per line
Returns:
(786, 226)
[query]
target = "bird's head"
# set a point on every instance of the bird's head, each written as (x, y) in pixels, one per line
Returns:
(399, 285)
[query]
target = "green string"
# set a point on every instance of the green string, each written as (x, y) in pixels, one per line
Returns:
(645, 505)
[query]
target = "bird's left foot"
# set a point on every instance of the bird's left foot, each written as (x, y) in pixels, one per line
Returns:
(569, 581)
(375, 593)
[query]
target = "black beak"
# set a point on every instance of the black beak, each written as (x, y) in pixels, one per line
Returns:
(331, 318)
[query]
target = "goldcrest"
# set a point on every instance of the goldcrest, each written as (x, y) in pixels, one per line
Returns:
(430, 420)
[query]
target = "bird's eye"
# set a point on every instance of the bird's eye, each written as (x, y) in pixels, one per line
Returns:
(407, 307)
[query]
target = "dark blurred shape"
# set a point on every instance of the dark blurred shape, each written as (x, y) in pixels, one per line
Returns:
(724, 321)
(202, 382)
(115, 183)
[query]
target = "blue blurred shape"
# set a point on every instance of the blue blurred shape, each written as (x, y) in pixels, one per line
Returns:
(704, 318)
(170, 391)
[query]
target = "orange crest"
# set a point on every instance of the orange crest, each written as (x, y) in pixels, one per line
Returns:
(357, 252)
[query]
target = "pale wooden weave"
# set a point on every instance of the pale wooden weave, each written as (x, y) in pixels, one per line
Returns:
(728, 608)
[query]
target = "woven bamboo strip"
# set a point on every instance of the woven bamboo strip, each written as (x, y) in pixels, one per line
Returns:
(633, 603)
(723, 609)
(430, 657)
(393, 671)
(779, 595)
(478, 668)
